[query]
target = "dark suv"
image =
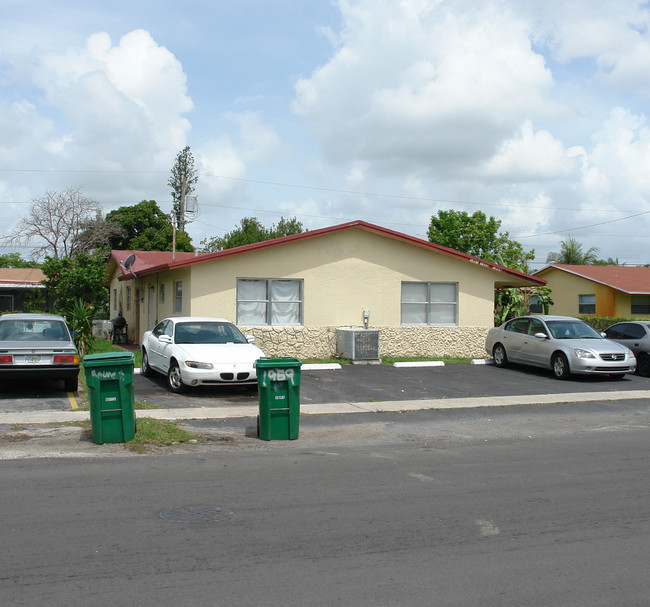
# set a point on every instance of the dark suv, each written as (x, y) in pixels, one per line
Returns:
(636, 336)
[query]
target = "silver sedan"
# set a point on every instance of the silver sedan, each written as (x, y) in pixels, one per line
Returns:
(563, 344)
(38, 346)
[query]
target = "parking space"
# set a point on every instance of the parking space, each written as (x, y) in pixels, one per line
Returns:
(376, 383)
(351, 383)
(44, 395)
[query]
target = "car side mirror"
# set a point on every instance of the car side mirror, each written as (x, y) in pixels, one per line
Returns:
(541, 336)
(165, 339)
(603, 334)
(250, 339)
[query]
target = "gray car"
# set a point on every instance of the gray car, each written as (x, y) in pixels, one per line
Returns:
(636, 336)
(38, 346)
(563, 344)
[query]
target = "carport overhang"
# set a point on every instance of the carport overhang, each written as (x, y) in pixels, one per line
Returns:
(507, 278)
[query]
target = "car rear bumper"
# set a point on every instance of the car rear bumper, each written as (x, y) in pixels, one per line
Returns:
(39, 372)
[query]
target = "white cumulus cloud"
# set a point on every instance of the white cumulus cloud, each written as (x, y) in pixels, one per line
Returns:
(423, 84)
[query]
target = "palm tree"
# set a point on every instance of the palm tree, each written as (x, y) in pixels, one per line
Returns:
(571, 253)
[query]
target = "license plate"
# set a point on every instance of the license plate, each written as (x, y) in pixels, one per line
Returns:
(33, 359)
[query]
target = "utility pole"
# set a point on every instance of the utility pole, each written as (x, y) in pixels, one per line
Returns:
(182, 181)
(173, 218)
(181, 214)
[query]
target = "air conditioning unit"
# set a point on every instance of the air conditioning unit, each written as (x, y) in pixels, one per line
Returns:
(358, 344)
(101, 328)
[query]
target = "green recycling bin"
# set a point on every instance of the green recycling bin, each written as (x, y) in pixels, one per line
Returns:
(109, 377)
(278, 382)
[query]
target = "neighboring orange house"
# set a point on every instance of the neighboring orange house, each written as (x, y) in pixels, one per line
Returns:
(613, 291)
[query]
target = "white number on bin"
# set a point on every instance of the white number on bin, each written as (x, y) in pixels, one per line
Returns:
(280, 374)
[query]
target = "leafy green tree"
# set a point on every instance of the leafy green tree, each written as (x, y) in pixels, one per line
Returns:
(478, 236)
(571, 253)
(80, 278)
(608, 262)
(14, 260)
(286, 227)
(144, 227)
(182, 182)
(251, 230)
(511, 302)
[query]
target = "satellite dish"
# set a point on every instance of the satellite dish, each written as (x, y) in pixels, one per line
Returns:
(129, 261)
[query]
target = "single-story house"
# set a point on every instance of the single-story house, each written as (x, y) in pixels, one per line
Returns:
(18, 284)
(613, 291)
(294, 293)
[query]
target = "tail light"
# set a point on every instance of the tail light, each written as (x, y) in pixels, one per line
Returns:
(66, 358)
(6, 359)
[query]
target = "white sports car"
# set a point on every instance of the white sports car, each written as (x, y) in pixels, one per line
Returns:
(193, 351)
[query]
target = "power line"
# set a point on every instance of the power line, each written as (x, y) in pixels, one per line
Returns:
(591, 225)
(302, 187)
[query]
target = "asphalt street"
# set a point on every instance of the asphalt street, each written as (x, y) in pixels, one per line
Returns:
(535, 506)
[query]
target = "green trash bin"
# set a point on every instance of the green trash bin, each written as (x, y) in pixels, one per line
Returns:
(278, 382)
(109, 377)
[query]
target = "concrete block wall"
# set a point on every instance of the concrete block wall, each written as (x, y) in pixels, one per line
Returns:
(320, 342)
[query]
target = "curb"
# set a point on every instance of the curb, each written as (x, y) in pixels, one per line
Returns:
(49, 417)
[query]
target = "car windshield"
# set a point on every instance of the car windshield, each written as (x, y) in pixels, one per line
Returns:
(571, 329)
(208, 333)
(33, 330)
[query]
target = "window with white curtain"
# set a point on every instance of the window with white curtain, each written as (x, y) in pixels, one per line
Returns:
(429, 303)
(269, 301)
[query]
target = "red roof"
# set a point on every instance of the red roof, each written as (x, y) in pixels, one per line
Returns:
(627, 279)
(147, 262)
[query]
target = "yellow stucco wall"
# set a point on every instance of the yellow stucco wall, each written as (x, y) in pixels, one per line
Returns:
(566, 289)
(344, 274)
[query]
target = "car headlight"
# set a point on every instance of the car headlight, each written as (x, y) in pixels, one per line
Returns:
(580, 353)
(194, 364)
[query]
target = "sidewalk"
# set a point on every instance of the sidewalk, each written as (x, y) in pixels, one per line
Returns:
(49, 417)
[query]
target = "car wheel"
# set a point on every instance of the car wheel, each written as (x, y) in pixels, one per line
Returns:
(500, 356)
(560, 366)
(71, 384)
(643, 365)
(174, 379)
(145, 369)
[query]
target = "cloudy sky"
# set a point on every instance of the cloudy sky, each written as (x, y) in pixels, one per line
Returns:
(381, 110)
